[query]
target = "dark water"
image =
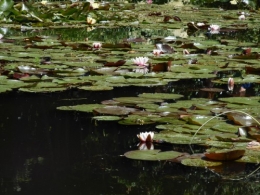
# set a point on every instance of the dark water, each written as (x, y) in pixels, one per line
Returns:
(46, 151)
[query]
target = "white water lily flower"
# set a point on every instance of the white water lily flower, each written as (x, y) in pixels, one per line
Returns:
(146, 136)
(44, 2)
(93, 4)
(214, 28)
(200, 24)
(97, 45)
(140, 61)
(242, 17)
(91, 20)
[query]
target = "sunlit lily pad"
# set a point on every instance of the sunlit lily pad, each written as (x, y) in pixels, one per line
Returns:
(152, 155)
(179, 138)
(201, 119)
(242, 119)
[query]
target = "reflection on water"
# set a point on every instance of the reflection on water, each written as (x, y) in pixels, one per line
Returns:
(46, 151)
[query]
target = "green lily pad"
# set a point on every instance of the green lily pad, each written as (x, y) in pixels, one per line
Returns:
(114, 110)
(179, 138)
(81, 107)
(200, 163)
(96, 88)
(136, 100)
(136, 120)
(161, 96)
(152, 155)
(107, 118)
(242, 100)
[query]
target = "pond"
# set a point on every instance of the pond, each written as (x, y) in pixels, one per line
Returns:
(74, 97)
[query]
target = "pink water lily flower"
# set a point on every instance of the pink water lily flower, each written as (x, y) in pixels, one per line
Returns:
(141, 61)
(149, 1)
(97, 45)
(146, 136)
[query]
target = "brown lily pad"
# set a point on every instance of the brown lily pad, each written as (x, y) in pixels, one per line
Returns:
(225, 155)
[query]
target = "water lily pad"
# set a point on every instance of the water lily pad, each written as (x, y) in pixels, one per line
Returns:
(201, 119)
(114, 110)
(136, 100)
(179, 138)
(242, 100)
(161, 95)
(200, 163)
(241, 119)
(225, 155)
(136, 120)
(96, 88)
(107, 118)
(152, 155)
(81, 107)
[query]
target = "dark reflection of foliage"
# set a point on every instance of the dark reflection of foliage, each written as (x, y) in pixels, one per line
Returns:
(112, 35)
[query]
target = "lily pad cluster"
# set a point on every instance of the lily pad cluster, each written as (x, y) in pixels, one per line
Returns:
(49, 63)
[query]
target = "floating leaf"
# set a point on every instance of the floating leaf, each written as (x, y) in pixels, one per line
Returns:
(81, 107)
(199, 163)
(225, 155)
(152, 155)
(114, 110)
(160, 95)
(107, 118)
